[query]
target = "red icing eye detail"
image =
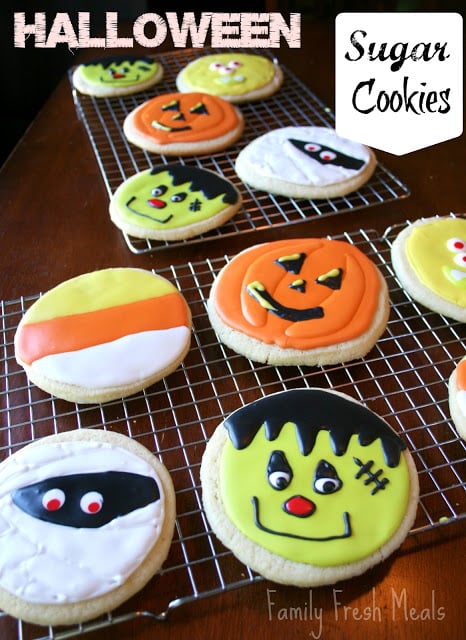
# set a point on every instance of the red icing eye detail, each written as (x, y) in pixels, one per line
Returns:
(328, 155)
(456, 244)
(312, 146)
(460, 259)
(53, 499)
(234, 63)
(214, 66)
(91, 502)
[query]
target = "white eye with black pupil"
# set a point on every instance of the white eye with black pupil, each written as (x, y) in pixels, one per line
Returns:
(178, 197)
(159, 191)
(53, 499)
(279, 479)
(91, 502)
(327, 485)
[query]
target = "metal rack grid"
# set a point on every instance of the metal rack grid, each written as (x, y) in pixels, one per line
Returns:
(293, 105)
(403, 379)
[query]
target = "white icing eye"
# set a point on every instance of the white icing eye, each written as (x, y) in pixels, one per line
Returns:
(53, 499)
(178, 197)
(460, 259)
(456, 244)
(159, 191)
(279, 479)
(91, 502)
(328, 155)
(234, 64)
(327, 485)
(312, 146)
(216, 66)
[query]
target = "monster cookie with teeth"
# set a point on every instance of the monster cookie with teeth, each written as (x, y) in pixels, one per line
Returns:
(184, 124)
(236, 77)
(307, 301)
(429, 258)
(305, 162)
(86, 520)
(308, 487)
(172, 202)
(117, 75)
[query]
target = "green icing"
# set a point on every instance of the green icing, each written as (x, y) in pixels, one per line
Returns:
(119, 72)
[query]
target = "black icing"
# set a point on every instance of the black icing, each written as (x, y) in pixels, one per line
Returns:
(340, 160)
(122, 493)
(313, 410)
(109, 60)
(207, 182)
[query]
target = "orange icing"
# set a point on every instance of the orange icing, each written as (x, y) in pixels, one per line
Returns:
(81, 330)
(461, 375)
(348, 311)
(217, 117)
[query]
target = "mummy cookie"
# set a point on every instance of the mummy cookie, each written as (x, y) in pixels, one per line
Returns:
(429, 259)
(172, 202)
(236, 77)
(117, 75)
(86, 520)
(308, 301)
(184, 124)
(104, 335)
(305, 162)
(457, 397)
(308, 487)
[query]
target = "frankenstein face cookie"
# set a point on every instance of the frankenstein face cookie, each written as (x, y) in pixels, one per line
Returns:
(429, 258)
(308, 301)
(171, 202)
(236, 77)
(104, 335)
(86, 519)
(457, 397)
(184, 124)
(117, 75)
(308, 487)
(305, 162)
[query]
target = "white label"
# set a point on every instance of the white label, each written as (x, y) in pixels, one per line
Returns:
(399, 79)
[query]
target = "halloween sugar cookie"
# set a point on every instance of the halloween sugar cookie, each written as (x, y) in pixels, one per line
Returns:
(86, 520)
(104, 335)
(184, 124)
(236, 77)
(457, 397)
(172, 202)
(308, 487)
(305, 162)
(307, 301)
(117, 75)
(429, 258)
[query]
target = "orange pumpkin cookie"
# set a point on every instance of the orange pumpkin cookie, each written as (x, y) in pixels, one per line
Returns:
(184, 124)
(309, 301)
(457, 397)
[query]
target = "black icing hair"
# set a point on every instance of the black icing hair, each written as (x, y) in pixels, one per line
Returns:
(209, 183)
(108, 60)
(313, 410)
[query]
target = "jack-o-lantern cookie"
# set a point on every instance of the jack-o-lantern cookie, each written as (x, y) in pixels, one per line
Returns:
(429, 258)
(104, 335)
(86, 520)
(172, 202)
(305, 162)
(307, 301)
(184, 124)
(236, 77)
(308, 487)
(457, 397)
(117, 75)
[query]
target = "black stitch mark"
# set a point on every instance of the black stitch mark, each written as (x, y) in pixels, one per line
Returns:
(372, 477)
(195, 205)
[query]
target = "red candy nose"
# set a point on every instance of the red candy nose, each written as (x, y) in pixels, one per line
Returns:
(299, 506)
(118, 76)
(156, 203)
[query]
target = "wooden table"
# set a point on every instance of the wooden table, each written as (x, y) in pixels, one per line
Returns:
(55, 226)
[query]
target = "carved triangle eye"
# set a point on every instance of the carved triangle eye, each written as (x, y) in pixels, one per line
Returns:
(332, 279)
(174, 105)
(299, 285)
(199, 109)
(292, 263)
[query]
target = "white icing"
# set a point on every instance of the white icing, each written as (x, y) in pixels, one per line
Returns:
(275, 157)
(461, 399)
(120, 362)
(48, 563)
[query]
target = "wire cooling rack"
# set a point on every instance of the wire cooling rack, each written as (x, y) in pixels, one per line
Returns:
(403, 379)
(295, 104)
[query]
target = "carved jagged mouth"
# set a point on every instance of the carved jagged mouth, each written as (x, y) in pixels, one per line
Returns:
(163, 127)
(267, 301)
(346, 522)
(145, 215)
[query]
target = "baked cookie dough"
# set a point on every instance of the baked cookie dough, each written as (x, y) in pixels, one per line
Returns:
(86, 520)
(173, 202)
(236, 77)
(306, 301)
(104, 335)
(457, 397)
(117, 76)
(184, 124)
(308, 487)
(305, 162)
(429, 259)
